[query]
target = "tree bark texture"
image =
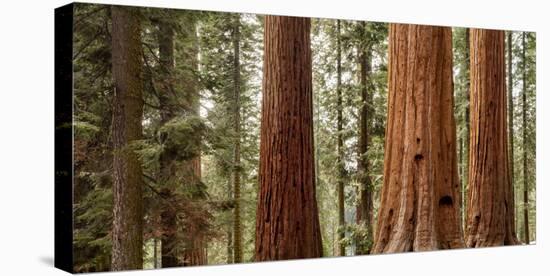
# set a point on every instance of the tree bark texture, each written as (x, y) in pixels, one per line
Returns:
(287, 222)
(127, 232)
(490, 218)
(420, 207)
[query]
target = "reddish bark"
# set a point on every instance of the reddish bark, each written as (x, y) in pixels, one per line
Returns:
(419, 208)
(490, 218)
(287, 222)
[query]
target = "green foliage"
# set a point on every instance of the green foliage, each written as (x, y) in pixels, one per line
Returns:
(356, 37)
(181, 137)
(189, 113)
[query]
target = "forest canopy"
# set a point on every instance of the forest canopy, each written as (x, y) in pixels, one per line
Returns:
(217, 138)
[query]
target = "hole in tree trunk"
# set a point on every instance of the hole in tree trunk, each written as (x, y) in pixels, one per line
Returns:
(418, 157)
(445, 200)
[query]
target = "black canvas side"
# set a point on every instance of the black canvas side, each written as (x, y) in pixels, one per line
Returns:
(63, 258)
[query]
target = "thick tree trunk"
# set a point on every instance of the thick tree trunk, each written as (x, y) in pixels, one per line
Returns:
(287, 221)
(419, 209)
(166, 160)
(340, 145)
(127, 232)
(490, 219)
(524, 117)
(237, 252)
(364, 212)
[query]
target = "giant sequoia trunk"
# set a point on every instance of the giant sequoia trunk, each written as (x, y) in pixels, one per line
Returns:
(340, 145)
(364, 212)
(287, 222)
(490, 219)
(127, 232)
(237, 251)
(420, 207)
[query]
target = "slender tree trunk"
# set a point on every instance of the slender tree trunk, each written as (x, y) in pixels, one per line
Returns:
(237, 231)
(466, 161)
(364, 212)
(511, 113)
(127, 232)
(229, 232)
(287, 221)
(524, 117)
(490, 219)
(166, 160)
(155, 257)
(419, 209)
(340, 144)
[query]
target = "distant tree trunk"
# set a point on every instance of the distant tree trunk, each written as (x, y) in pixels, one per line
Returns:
(287, 221)
(364, 212)
(511, 112)
(127, 232)
(229, 231)
(524, 117)
(166, 160)
(465, 169)
(490, 219)
(419, 209)
(237, 252)
(340, 144)
(155, 257)
(194, 252)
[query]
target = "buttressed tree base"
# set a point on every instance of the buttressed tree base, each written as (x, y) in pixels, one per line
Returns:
(192, 138)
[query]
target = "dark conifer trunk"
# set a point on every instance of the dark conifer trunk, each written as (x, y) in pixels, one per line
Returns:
(237, 252)
(229, 230)
(127, 232)
(287, 222)
(524, 118)
(340, 144)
